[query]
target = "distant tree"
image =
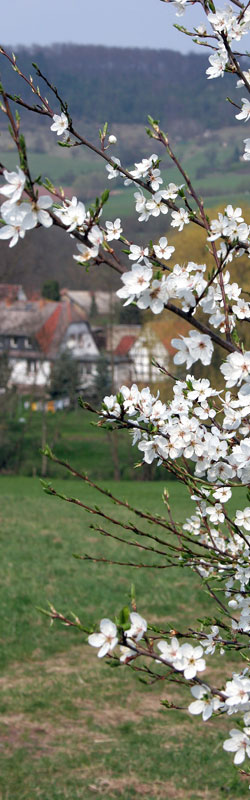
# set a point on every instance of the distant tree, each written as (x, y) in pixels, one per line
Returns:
(5, 371)
(64, 377)
(51, 290)
(103, 379)
(93, 308)
(130, 315)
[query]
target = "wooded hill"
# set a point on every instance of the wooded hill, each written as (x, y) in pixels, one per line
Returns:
(124, 85)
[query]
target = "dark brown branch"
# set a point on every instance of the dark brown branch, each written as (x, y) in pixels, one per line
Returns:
(229, 346)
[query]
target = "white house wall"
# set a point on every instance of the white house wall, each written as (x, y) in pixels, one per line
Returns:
(142, 354)
(79, 341)
(24, 373)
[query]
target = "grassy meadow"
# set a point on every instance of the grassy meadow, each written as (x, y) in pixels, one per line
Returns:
(71, 727)
(74, 437)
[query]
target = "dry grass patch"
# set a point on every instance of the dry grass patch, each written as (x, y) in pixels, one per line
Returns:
(110, 787)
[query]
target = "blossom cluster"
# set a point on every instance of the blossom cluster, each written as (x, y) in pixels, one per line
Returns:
(20, 217)
(180, 428)
(232, 698)
(220, 298)
(182, 283)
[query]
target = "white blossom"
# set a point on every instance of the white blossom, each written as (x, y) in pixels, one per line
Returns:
(162, 249)
(211, 640)
(180, 6)
(245, 111)
(179, 219)
(193, 661)
(86, 253)
(15, 185)
(223, 494)
(37, 212)
(106, 640)
(60, 123)
(137, 253)
(196, 346)
(141, 206)
(72, 214)
(238, 744)
(156, 205)
(111, 168)
(155, 297)
(218, 62)
(242, 518)
(127, 652)
(138, 627)
(111, 405)
(16, 221)
(95, 236)
(236, 368)
(171, 652)
(135, 282)
(114, 229)
(205, 702)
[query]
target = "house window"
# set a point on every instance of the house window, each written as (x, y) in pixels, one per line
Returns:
(27, 343)
(13, 342)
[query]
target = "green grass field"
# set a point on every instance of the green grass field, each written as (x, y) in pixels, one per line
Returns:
(70, 726)
(75, 438)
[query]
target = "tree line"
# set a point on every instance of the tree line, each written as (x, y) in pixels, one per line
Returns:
(123, 84)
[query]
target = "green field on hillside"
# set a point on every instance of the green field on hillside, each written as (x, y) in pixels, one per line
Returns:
(72, 728)
(205, 159)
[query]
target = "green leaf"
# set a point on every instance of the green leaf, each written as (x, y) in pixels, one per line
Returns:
(45, 484)
(153, 122)
(123, 618)
(105, 196)
(47, 452)
(120, 398)
(65, 144)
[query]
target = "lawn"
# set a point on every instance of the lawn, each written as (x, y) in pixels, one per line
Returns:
(73, 434)
(70, 726)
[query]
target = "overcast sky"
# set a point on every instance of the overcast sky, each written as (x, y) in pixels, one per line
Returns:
(135, 23)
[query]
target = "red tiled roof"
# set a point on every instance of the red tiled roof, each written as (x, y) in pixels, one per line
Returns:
(168, 346)
(46, 333)
(124, 345)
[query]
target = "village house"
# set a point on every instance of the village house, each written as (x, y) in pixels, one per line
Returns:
(33, 334)
(133, 348)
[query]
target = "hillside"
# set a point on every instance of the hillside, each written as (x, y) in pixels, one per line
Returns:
(125, 84)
